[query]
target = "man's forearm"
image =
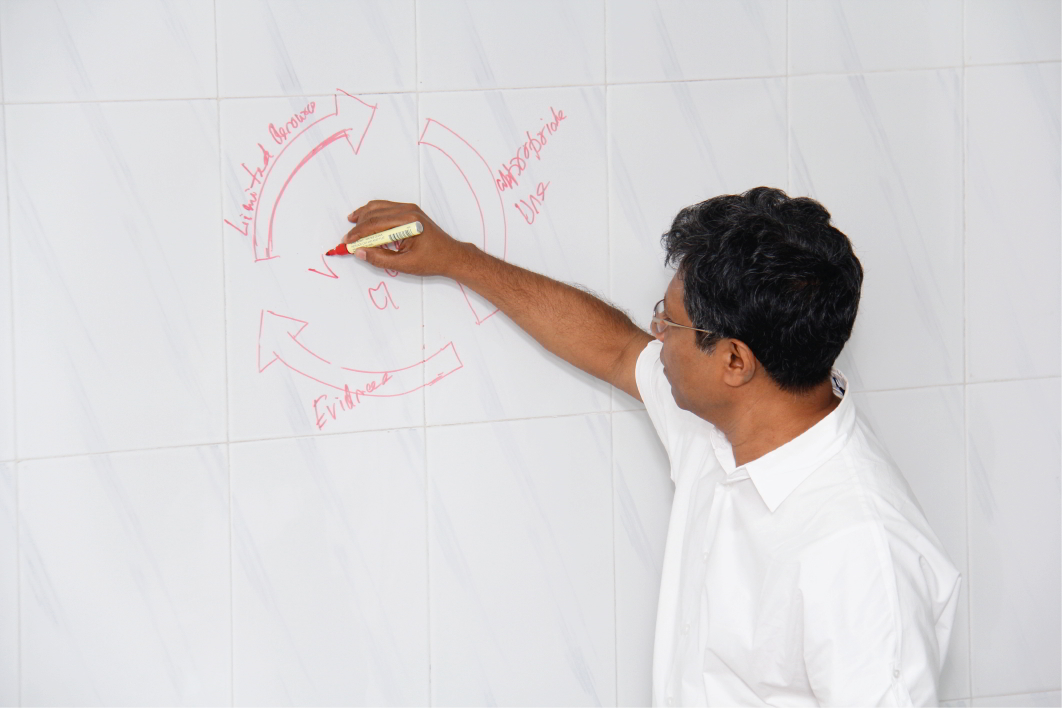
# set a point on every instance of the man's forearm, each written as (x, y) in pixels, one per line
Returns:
(576, 326)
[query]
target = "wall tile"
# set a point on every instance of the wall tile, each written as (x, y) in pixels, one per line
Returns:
(318, 345)
(1047, 698)
(999, 31)
(545, 212)
(478, 44)
(107, 50)
(674, 145)
(8, 585)
(125, 579)
(330, 595)
(1013, 219)
(117, 276)
(289, 48)
(7, 345)
(521, 559)
(1015, 523)
(923, 431)
(642, 498)
(675, 41)
(883, 153)
(848, 36)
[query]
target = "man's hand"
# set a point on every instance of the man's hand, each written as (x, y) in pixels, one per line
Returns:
(433, 252)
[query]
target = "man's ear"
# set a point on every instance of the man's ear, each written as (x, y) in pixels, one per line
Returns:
(739, 363)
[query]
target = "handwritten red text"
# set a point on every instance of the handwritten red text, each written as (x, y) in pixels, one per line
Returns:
(509, 172)
(325, 411)
(529, 208)
(246, 215)
(286, 129)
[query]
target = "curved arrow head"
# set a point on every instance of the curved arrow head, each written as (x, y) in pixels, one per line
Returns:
(271, 329)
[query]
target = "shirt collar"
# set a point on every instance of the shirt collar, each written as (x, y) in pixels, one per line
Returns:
(776, 474)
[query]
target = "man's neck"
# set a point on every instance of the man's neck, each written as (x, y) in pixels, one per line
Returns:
(766, 420)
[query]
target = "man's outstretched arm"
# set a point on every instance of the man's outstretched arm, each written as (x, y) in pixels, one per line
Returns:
(576, 326)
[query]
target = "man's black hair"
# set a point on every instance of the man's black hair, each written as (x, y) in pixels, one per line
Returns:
(770, 271)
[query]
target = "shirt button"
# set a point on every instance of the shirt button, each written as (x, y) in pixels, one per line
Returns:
(686, 628)
(670, 700)
(705, 557)
(896, 673)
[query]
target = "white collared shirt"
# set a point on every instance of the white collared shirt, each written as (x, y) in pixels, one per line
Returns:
(806, 577)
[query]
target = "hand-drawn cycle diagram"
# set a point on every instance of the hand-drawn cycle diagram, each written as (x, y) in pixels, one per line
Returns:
(298, 142)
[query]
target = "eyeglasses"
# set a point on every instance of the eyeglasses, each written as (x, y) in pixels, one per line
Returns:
(660, 323)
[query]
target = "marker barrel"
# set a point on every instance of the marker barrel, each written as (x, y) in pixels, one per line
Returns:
(389, 236)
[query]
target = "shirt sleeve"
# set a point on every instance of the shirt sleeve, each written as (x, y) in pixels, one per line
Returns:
(852, 623)
(655, 391)
(869, 633)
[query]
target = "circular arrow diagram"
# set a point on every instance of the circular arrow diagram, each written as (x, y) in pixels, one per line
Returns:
(278, 335)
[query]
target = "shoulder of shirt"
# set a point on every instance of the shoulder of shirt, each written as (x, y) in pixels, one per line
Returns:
(861, 487)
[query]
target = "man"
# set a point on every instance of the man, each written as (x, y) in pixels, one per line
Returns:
(799, 569)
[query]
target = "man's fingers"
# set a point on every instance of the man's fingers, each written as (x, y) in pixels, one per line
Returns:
(376, 221)
(374, 206)
(379, 257)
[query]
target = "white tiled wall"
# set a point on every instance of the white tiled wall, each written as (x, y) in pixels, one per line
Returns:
(330, 527)
(1012, 252)
(191, 513)
(9, 636)
(521, 562)
(124, 567)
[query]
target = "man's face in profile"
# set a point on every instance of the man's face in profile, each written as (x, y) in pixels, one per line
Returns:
(686, 367)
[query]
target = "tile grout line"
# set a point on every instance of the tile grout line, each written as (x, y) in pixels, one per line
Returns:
(225, 349)
(965, 371)
(249, 441)
(282, 438)
(612, 391)
(788, 112)
(18, 582)
(1012, 695)
(14, 417)
(782, 75)
(423, 368)
(1045, 377)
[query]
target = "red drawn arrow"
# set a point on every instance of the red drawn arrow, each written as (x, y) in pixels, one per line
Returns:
(349, 122)
(278, 341)
(480, 181)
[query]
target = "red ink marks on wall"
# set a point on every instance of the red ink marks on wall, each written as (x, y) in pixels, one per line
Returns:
(281, 134)
(509, 172)
(480, 180)
(381, 299)
(266, 184)
(350, 120)
(341, 135)
(330, 274)
(347, 402)
(530, 209)
(278, 341)
(246, 216)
